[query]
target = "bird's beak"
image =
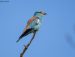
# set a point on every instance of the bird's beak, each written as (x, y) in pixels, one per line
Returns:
(44, 13)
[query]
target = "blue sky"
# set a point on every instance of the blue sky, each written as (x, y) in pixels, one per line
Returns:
(50, 41)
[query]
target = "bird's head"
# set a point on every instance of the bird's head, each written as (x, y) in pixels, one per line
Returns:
(39, 14)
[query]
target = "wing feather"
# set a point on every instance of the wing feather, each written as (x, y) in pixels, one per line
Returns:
(27, 29)
(29, 22)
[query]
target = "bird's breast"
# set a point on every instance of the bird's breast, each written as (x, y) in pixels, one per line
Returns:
(36, 24)
(37, 21)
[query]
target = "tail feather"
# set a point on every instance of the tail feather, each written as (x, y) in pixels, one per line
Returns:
(28, 31)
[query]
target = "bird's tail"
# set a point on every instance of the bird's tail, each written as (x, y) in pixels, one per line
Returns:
(18, 40)
(28, 31)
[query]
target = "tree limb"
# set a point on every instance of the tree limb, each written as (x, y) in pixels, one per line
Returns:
(26, 47)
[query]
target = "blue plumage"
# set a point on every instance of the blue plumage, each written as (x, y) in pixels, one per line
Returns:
(33, 24)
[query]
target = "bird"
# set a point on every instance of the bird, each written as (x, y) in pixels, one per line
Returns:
(33, 24)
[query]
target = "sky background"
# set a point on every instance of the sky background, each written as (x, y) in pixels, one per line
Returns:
(56, 37)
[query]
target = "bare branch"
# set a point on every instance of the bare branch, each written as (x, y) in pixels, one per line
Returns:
(26, 47)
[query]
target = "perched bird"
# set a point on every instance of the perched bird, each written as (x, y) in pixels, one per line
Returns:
(33, 24)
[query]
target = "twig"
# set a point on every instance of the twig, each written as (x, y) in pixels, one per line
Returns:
(26, 47)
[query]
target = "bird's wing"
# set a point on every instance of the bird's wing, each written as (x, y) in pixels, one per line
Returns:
(29, 22)
(27, 30)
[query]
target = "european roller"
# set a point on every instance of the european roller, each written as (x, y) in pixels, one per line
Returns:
(33, 24)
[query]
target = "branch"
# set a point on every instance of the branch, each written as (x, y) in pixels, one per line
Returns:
(26, 47)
